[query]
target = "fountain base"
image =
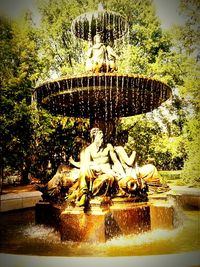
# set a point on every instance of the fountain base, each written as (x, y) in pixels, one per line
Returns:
(105, 219)
(102, 221)
(76, 225)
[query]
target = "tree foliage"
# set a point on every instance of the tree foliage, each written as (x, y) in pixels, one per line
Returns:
(188, 45)
(29, 55)
(18, 65)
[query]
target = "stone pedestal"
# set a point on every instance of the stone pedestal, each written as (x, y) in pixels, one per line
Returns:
(48, 214)
(103, 221)
(77, 225)
(131, 217)
(162, 216)
(105, 218)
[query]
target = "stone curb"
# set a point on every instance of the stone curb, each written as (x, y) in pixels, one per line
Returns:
(14, 201)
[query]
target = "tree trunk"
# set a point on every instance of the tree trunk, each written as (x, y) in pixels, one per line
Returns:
(25, 172)
(24, 176)
(1, 178)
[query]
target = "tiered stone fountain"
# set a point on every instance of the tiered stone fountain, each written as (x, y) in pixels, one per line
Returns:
(103, 96)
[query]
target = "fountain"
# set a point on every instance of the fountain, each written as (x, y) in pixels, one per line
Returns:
(103, 95)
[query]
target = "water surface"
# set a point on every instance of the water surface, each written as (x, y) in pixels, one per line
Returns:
(20, 235)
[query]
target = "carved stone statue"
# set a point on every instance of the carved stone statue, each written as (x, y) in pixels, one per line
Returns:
(111, 59)
(103, 170)
(96, 61)
(96, 168)
(57, 187)
(144, 175)
(101, 58)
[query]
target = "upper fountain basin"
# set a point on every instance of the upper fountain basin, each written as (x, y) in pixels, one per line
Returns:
(104, 96)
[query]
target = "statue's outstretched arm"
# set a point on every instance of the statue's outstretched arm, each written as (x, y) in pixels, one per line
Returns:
(74, 163)
(84, 157)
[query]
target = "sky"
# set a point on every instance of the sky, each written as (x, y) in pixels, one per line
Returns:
(166, 10)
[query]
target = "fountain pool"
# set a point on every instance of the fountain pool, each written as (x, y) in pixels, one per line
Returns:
(20, 235)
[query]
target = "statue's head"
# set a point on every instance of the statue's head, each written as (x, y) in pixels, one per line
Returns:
(96, 133)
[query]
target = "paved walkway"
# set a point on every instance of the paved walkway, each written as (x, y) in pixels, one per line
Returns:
(185, 190)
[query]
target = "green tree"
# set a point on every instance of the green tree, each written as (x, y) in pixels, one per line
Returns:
(188, 45)
(17, 76)
(60, 53)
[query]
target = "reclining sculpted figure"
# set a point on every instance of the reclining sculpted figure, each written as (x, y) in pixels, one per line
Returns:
(145, 175)
(96, 172)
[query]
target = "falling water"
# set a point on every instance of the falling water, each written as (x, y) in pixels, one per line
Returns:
(88, 98)
(106, 99)
(81, 99)
(110, 97)
(95, 91)
(117, 97)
